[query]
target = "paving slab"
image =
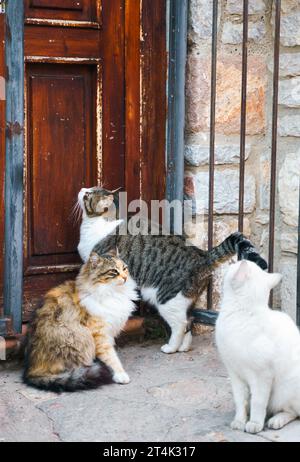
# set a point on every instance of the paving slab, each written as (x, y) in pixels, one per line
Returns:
(20, 420)
(171, 398)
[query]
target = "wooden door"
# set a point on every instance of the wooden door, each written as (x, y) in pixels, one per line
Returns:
(95, 113)
(74, 132)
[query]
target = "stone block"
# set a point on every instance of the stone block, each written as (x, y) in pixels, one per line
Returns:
(228, 103)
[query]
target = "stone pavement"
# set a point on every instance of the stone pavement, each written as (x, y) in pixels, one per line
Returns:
(184, 397)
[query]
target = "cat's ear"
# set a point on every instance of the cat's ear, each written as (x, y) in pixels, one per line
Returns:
(116, 190)
(274, 279)
(242, 274)
(94, 260)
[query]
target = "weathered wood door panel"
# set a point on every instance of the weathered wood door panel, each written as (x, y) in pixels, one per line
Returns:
(74, 134)
(61, 158)
(86, 11)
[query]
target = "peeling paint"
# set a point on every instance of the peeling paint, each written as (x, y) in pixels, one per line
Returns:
(99, 12)
(2, 88)
(62, 23)
(50, 269)
(25, 167)
(141, 99)
(61, 59)
(99, 140)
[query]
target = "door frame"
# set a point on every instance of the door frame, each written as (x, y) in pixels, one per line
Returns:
(145, 119)
(14, 148)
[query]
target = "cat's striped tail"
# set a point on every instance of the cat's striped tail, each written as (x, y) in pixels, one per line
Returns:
(82, 378)
(236, 244)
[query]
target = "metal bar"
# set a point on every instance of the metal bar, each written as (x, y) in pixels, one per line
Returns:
(274, 139)
(298, 270)
(243, 116)
(177, 46)
(212, 140)
(13, 259)
(274, 134)
(205, 317)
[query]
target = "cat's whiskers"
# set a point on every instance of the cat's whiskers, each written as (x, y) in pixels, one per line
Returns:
(76, 212)
(74, 209)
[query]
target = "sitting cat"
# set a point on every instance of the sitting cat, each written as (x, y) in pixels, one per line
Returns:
(260, 349)
(170, 273)
(70, 343)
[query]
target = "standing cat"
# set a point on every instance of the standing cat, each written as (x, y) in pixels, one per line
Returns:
(71, 339)
(170, 274)
(260, 349)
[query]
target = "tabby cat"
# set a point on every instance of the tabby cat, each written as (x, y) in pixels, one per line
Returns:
(70, 343)
(170, 274)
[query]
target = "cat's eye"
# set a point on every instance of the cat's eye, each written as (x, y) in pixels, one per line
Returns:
(113, 273)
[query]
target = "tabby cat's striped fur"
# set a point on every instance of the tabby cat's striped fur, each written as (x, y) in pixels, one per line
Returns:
(170, 274)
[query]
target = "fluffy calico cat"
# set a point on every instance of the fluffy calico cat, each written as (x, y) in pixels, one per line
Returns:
(71, 339)
(261, 350)
(170, 274)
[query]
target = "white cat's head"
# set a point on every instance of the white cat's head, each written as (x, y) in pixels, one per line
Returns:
(247, 281)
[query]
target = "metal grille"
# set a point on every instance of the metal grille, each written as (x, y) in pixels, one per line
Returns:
(243, 124)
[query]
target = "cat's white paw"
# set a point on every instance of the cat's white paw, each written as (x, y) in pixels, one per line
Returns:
(254, 427)
(184, 348)
(186, 343)
(238, 425)
(276, 423)
(168, 349)
(121, 377)
(280, 420)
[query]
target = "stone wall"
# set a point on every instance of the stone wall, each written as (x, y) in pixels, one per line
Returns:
(259, 120)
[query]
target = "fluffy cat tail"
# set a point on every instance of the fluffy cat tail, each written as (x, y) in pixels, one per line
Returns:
(82, 378)
(236, 243)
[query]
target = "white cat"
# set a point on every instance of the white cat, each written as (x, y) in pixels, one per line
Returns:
(260, 349)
